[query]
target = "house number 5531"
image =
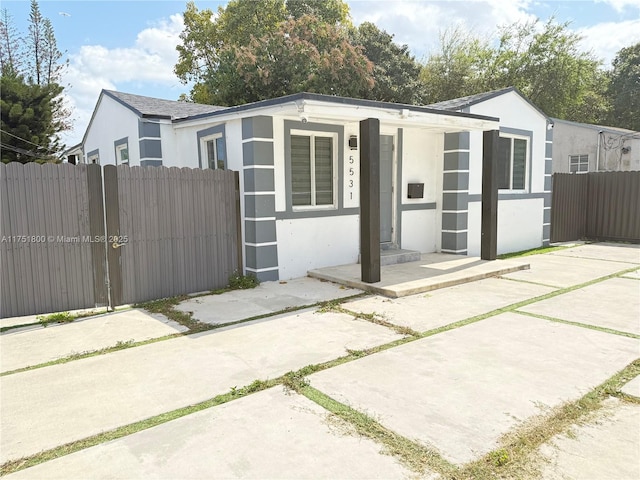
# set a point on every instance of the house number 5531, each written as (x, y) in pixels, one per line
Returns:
(352, 172)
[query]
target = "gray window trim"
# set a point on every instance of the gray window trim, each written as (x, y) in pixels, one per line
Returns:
(94, 153)
(218, 129)
(313, 128)
(523, 133)
(118, 143)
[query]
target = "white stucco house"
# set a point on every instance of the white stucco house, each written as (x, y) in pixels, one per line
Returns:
(298, 158)
(582, 148)
(525, 170)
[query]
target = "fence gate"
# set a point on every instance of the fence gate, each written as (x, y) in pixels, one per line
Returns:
(72, 239)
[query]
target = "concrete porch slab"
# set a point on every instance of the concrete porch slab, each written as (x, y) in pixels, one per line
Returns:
(632, 388)
(266, 298)
(433, 271)
(437, 308)
(605, 448)
(614, 303)
(22, 348)
(271, 434)
(50, 406)
(459, 391)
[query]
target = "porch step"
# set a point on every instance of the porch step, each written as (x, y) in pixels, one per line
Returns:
(394, 256)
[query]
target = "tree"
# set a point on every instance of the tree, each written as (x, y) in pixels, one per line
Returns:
(33, 112)
(457, 69)
(624, 89)
(396, 73)
(11, 55)
(27, 130)
(304, 54)
(214, 51)
(543, 61)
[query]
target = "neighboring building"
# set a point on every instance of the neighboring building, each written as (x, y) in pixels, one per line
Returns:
(582, 148)
(524, 200)
(73, 155)
(298, 158)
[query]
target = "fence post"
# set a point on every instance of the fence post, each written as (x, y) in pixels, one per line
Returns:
(370, 200)
(236, 180)
(96, 231)
(112, 222)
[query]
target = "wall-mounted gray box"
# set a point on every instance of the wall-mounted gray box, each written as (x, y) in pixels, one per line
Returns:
(415, 190)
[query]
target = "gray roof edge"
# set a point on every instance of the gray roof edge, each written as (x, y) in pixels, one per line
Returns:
(493, 94)
(593, 126)
(334, 99)
(111, 94)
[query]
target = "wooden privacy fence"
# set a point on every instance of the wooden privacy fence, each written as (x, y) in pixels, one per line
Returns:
(169, 231)
(596, 206)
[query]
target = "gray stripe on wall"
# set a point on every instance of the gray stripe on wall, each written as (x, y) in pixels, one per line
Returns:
(418, 206)
(514, 196)
(262, 231)
(148, 129)
(256, 206)
(548, 150)
(547, 200)
(455, 201)
(268, 276)
(454, 241)
(546, 232)
(456, 141)
(455, 181)
(150, 148)
(259, 180)
(546, 215)
(257, 153)
(257, 127)
(261, 257)
(547, 183)
(456, 161)
(454, 221)
(549, 136)
(150, 163)
(548, 167)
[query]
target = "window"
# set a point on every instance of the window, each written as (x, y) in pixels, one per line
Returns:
(578, 163)
(312, 169)
(93, 158)
(213, 152)
(122, 154)
(513, 153)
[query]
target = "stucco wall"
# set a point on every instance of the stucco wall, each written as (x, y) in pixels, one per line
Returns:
(573, 139)
(112, 122)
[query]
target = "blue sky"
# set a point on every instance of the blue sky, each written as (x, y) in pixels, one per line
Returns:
(130, 45)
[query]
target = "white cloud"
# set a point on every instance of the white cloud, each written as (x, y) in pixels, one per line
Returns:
(419, 23)
(94, 67)
(606, 39)
(621, 5)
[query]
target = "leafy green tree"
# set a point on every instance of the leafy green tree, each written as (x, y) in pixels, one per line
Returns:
(457, 69)
(543, 61)
(624, 89)
(396, 72)
(304, 54)
(215, 51)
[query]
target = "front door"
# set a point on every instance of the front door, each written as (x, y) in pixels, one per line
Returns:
(386, 188)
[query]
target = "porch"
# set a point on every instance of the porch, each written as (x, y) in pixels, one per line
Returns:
(431, 272)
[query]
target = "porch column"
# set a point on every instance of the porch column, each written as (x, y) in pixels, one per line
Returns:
(489, 238)
(370, 200)
(261, 248)
(455, 193)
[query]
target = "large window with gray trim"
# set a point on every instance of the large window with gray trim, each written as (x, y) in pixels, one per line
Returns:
(313, 167)
(513, 160)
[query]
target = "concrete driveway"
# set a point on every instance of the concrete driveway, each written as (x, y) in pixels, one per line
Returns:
(479, 380)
